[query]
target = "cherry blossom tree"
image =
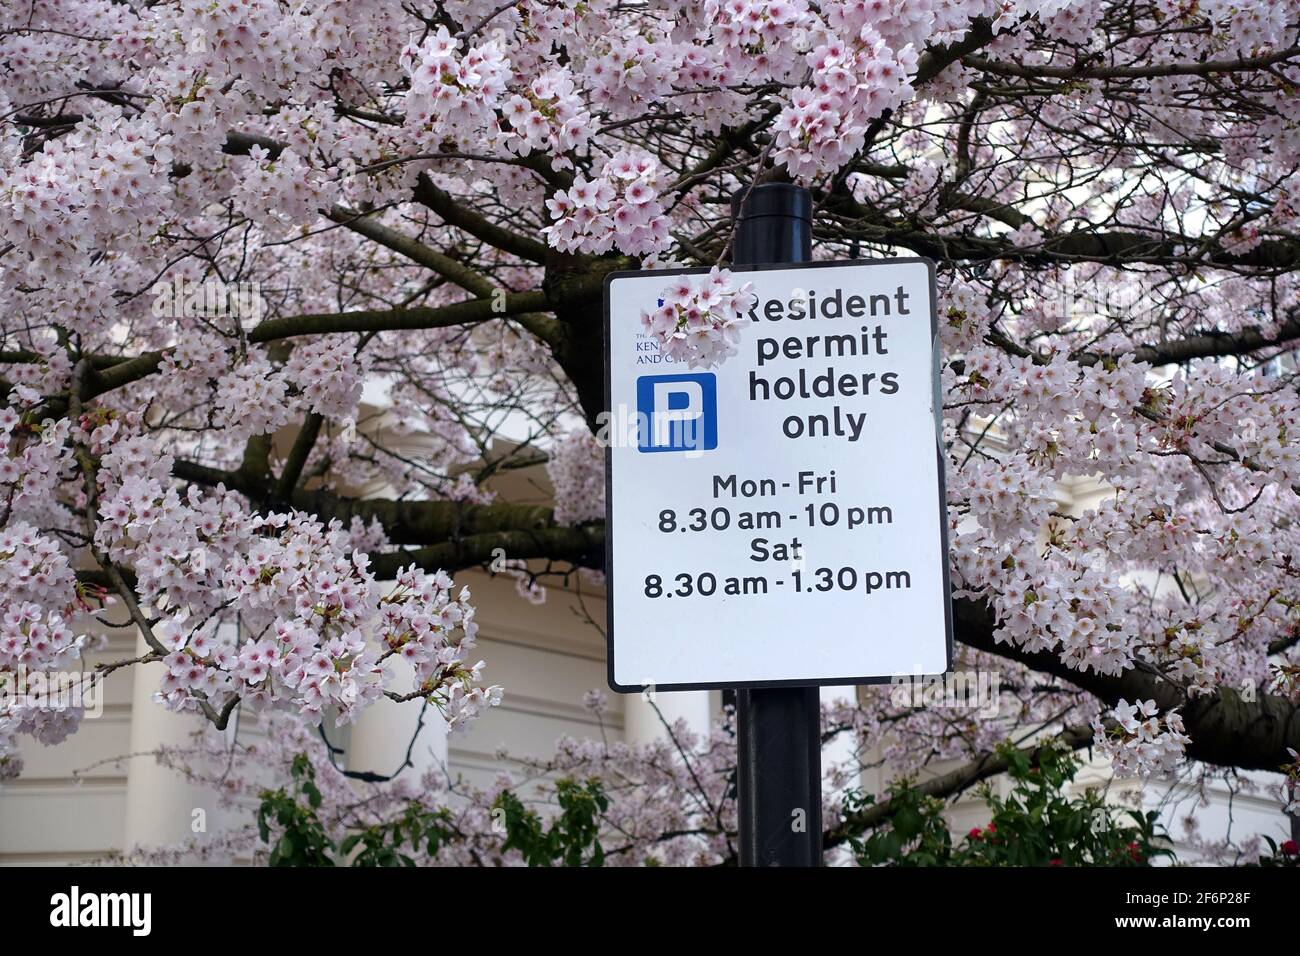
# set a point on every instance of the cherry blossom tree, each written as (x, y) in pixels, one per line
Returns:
(222, 222)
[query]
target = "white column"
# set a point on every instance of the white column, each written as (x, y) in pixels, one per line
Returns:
(641, 725)
(839, 750)
(161, 807)
(379, 738)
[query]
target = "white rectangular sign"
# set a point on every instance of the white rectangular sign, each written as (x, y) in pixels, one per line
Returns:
(779, 519)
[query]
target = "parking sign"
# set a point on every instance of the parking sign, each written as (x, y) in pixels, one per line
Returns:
(681, 412)
(779, 519)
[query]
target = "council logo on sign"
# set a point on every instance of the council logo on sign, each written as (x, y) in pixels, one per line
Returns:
(677, 412)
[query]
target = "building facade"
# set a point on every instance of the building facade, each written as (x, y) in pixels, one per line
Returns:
(101, 791)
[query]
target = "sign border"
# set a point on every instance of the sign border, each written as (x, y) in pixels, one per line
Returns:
(609, 480)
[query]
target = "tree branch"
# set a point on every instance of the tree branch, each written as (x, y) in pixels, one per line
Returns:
(454, 214)
(298, 454)
(468, 312)
(1081, 71)
(416, 251)
(1225, 729)
(949, 784)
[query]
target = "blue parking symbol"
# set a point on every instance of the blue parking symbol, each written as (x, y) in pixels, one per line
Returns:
(677, 412)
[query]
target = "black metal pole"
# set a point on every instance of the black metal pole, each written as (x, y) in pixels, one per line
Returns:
(778, 773)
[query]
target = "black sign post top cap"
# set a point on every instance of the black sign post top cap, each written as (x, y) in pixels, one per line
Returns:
(772, 199)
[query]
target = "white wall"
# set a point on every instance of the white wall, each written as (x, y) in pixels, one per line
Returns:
(546, 656)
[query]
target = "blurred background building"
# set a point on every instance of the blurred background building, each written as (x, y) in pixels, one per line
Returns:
(101, 791)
